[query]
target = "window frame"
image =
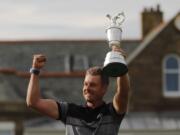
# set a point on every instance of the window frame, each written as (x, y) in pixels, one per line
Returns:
(167, 93)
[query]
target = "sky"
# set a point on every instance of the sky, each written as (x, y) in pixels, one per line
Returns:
(74, 19)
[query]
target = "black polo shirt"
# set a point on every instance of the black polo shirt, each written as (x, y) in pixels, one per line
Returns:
(82, 120)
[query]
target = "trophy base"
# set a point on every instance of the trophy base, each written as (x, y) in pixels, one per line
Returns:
(114, 64)
(115, 69)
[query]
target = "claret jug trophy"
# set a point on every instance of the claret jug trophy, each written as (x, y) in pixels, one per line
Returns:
(115, 64)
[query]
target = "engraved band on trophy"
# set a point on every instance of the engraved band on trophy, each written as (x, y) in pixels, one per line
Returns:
(115, 64)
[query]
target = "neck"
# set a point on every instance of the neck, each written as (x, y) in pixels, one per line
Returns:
(94, 105)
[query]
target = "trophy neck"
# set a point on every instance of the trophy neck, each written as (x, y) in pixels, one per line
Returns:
(114, 44)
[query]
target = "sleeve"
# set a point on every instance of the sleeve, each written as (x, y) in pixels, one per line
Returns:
(114, 113)
(63, 109)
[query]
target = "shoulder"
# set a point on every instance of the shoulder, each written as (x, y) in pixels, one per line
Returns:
(113, 111)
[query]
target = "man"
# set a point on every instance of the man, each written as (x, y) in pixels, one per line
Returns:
(95, 117)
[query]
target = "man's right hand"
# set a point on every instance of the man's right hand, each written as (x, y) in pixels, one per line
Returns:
(39, 61)
(34, 100)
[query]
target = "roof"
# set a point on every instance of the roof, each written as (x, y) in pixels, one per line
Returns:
(147, 40)
(21, 52)
(152, 120)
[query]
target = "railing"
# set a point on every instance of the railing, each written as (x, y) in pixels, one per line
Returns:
(46, 131)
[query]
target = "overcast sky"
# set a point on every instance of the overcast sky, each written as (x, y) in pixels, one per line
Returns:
(74, 19)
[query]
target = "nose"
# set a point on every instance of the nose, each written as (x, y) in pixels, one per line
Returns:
(87, 87)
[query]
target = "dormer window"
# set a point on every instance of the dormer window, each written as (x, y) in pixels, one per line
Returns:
(171, 76)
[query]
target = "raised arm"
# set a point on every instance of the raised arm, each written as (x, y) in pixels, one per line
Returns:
(121, 97)
(34, 100)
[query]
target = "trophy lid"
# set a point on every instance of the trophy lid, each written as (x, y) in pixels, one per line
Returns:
(116, 21)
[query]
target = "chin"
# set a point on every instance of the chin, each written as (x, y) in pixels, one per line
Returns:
(88, 99)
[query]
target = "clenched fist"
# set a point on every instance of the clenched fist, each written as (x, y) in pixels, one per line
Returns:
(39, 61)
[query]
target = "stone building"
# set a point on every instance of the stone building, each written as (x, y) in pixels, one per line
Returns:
(154, 68)
(156, 60)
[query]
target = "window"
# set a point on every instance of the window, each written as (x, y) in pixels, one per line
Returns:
(80, 63)
(76, 62)
(171, 76)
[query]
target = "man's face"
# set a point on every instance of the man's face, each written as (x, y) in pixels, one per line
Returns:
(93, 89)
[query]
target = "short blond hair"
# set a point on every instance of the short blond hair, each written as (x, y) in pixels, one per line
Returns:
(98, 71)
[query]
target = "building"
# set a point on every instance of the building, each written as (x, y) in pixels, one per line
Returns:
(154, 67)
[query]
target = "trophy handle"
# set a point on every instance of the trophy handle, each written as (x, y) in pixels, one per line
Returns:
(121, 18)
(116, 20)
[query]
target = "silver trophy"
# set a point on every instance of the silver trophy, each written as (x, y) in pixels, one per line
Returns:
(115, 64)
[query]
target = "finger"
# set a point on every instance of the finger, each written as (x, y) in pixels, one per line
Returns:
(39, 56)
(122, 52)
(42, 60)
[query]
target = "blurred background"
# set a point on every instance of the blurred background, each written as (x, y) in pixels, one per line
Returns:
(71, 33)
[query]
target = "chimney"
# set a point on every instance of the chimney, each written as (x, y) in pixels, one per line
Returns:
(151, 18)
